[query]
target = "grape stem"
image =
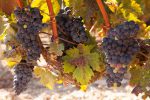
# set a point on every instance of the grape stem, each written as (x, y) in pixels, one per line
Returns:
(104, 13)
(20, 4)
(47, 56)
(144, 55)
(67, 41)
(53, 20)
(61, 39)
(93, 27)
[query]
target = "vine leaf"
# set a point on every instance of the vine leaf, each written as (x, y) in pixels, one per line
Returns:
(147, 30)
(46, 77)
(130, 9)
(4, 27)
(73, 52)
(67, 3)
(83, 87)
(68, 67)
(12, 61)
(42, 5)
(89, 10)
(143, 76)
(81, 62)
(56, 48)
(83, 74)
(112, 4)
(93, 60)
(126, 10)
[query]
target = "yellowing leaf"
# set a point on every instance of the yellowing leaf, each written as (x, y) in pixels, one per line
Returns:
(83, 87)
(45, 12)
(11, 62)
(130, 10)
(83, 74)
(60, 81)
(46, 77)
(4, 27)
(42, 5)
(136, 7)
(112, 4)
(56, 6)
(67, 2)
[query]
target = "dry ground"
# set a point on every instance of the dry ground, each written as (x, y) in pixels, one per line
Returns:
(35, 91)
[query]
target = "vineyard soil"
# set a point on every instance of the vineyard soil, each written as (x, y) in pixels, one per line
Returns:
(96, 91)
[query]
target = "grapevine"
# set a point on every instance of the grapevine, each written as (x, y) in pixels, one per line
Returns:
(116, 43)
(29, 26)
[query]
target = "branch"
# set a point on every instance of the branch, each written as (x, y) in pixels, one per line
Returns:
(61, 39)
(104, 13)
(67, 41)
(53, 20)
(20, 4)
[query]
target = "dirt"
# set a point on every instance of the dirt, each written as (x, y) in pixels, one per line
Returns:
(35, 91)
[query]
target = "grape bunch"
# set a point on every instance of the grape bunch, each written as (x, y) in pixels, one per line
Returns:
(121, 45)
(71, 28)
(120, 51)
(114, 76)
(128, 29)
(29, 23)
(23, 75)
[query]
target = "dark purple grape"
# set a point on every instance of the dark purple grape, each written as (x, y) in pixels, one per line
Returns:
(114, 77)
(29, 24)
(72, 27)
(23, 75)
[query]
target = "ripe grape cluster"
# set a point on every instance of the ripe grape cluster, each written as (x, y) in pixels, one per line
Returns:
(120, 51)
(115, 76)
(121, 45)
(71, 28)
(128, 29)
(29, 23)
(23, 75)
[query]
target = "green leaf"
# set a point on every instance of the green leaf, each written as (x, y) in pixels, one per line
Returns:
(56, 48)
(73, 52)
(83, 74)
(46, 77)
(142, 78)
(86, 49)
(81, 62)
(68, 67)
(93, 60)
